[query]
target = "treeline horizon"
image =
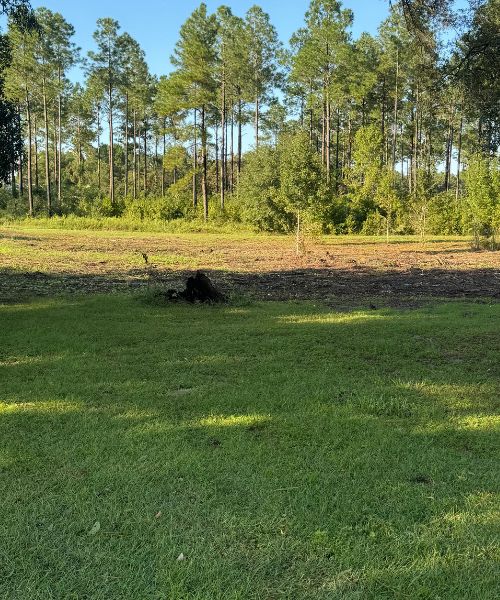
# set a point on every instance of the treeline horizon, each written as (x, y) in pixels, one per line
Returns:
(394, 132)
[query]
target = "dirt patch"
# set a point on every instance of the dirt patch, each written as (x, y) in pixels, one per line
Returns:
(263, 267)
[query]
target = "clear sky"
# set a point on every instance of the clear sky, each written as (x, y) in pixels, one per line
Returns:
(155, 23)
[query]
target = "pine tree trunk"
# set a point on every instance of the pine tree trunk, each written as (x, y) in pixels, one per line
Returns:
(111, 148)
(256, 124)
(56, 157)
(47, 165)
(98, 151)
(232, 145)
(145, 157)
(323, 134)
(382, 122)
(134, 146)
(30, 186)
(311, 116)
(13, 176)
(349, 141)
(204, 182)
(163, 157)
(217, 190)
(195, 164)
(239, 135)
(35, 131)
(59, 142)
(337, 151)
(126, 145)
(449, 149)
(156, 165)
(223, 143)
(226, 154)
(328, 137)
(429, 149)
(459, 158)
(395, 121)
(21, 178)
(78, 150)
(402, 152)
(416, 145)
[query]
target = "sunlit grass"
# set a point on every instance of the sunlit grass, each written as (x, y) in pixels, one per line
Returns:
(51, 407)
(286, 450)
(231, 421)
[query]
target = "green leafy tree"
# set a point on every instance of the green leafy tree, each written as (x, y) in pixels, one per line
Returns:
(482, 203)
(11, 146)
(259, 191)
(386, 198)
(364, 175)
(300, 177)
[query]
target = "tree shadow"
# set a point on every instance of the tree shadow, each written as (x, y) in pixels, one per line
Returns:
(394, 286)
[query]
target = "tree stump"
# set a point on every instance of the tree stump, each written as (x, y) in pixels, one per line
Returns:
(198, 289)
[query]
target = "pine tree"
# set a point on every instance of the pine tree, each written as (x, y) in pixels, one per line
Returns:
(19, 88)
(263, 47)
(106, 71)
(195, 59)
(57, 54)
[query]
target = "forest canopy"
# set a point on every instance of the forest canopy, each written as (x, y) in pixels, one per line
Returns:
(394, 132)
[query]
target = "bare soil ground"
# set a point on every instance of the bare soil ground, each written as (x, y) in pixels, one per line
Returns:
(47, 262)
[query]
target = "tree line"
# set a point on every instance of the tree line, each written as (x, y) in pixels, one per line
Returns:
(398, 131)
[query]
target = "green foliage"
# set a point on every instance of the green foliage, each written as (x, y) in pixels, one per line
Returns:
(195, 57)
(374, 224)
(300, 173)
(175, 158)
(386, 197)
(445, 214)
(360, 129)
(482, 203)
(259, 191)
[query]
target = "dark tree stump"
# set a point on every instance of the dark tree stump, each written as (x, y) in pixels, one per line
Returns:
(200, 289)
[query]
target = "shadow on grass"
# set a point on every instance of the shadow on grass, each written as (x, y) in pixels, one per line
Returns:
(295, 284)
(287, 451)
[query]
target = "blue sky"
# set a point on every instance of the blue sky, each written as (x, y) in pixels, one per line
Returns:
(155, 23)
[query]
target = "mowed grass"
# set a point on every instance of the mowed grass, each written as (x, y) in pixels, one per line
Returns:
(285, 450)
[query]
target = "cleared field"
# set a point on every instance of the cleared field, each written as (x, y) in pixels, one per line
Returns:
(43, 261)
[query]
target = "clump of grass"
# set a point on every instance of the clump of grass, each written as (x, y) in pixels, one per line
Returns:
(72, 222)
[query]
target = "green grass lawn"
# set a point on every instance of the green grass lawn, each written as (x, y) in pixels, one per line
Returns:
(287, 451)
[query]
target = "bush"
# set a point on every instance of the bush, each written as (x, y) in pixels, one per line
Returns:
(481, 214)
(260, 187)
(444, 215)
(375, 224)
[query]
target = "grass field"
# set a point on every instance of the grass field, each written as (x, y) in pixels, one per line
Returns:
(287, 451)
